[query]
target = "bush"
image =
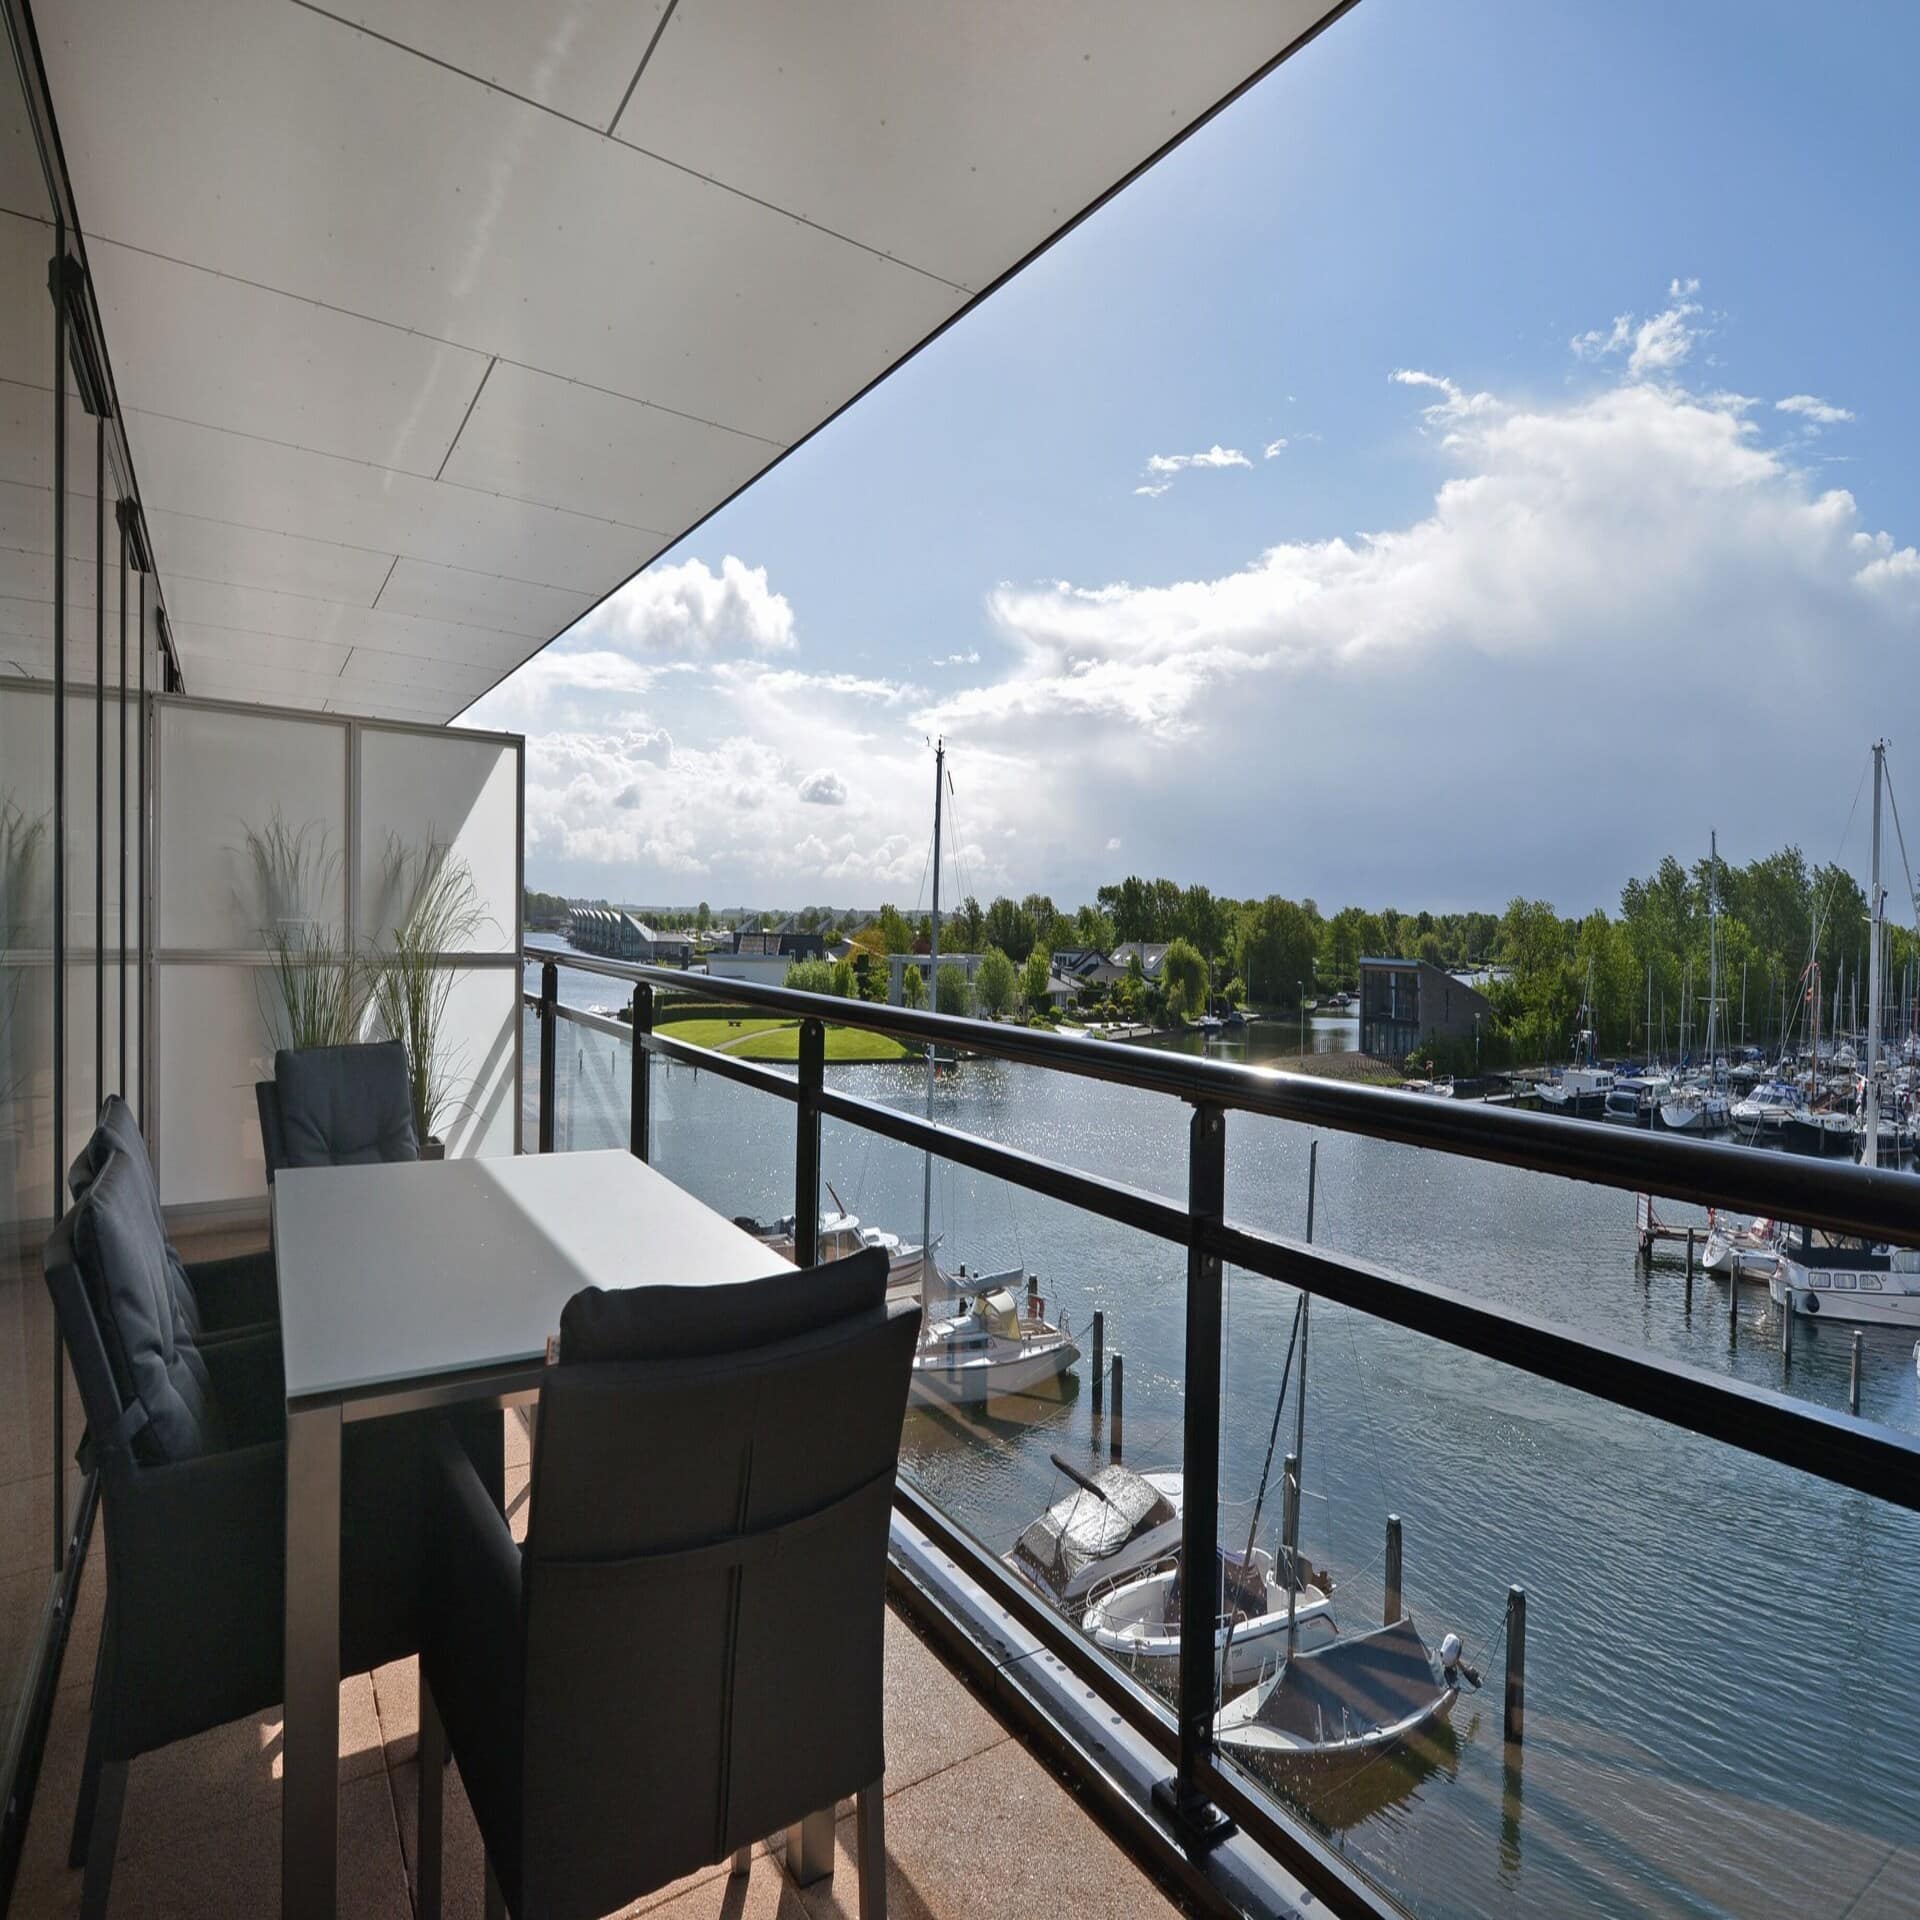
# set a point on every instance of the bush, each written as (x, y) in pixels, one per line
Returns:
(952, 992)
(813, 976)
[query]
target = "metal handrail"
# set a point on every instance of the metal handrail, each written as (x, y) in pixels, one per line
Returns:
(1838, 1448)
(1875, 1203)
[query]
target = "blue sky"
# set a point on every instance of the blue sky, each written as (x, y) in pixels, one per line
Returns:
(1610, 576)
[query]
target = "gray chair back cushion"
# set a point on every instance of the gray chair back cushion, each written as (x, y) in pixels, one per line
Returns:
(153, 1358)
(119, 1132)
(345, 1106)
(273, 1144)
(705, 1575)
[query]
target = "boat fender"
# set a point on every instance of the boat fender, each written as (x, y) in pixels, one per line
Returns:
(1810, 1304)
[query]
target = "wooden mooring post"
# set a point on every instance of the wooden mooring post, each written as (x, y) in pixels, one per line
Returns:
(1099, 1359)
(1114, 1426)
(1853, 1375)
(1786, 1334)
(1733, 1308)
(1689, 1263)
(1514, 1724)
(1393, 1609)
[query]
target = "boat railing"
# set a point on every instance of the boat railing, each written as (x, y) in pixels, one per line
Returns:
(1875, 1203)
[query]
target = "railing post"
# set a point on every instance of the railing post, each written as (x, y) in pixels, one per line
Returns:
(806, 1158)
(1185, 1795)
(640, 1108)
(549, 1049)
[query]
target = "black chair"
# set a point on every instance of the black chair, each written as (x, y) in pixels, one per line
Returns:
(214, 1297)
(189, 1442)
(688, 1655)
(337, 1107)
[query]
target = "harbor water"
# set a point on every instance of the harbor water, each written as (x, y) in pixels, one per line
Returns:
(1722, 1715)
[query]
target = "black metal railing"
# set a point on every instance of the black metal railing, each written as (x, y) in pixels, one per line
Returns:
(1877, 1204)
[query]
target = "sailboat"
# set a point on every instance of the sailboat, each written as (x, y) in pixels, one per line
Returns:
(1260, 1600)
(987, 1342)
(1702, 1106)
(1838, 1275)
(1580, 1091)
(1329, 1710)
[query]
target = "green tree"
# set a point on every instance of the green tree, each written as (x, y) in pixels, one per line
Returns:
(951, 993)
(1183, 974)
(913, 987)
(1093, 929)
(1133, 908)
(1275, 948)
(811, 976)
(844, 983)
(1034, 977)
(1009, 927)
(895, 934)
(995, 984)
(965, 925)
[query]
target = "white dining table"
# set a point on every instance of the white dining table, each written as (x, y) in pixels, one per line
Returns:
(425, 1284)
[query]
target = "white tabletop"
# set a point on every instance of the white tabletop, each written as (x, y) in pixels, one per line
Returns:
(403, 1272)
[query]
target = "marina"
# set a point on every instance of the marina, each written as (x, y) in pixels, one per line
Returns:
(1644, 1552)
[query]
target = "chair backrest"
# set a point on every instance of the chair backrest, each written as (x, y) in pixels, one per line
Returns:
(143, 1383)
(119, 1132)
(706, 1573)
(342, 1106)
(273, 1143)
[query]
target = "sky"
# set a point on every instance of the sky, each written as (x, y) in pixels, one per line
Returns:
(1477, 463)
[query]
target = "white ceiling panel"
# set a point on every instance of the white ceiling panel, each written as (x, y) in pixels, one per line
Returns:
(254, 483)
(306, 156)
(578, 58)
(249, 610)
(222, 353)
(466, 597)
(954, 137)
(418, 363)
(187, 547)
(537, 437)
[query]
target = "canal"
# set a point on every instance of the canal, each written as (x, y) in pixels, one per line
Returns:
(1720, 1660)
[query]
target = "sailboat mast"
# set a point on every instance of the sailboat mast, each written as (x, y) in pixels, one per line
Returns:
(933, 1000)
(1713, 944)
(1300, 1424)
(1870, 1135)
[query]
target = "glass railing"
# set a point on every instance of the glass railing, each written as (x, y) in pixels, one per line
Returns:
(1708, 1708)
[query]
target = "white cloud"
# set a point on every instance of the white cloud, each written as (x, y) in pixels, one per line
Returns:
(1593, 344)
(688, 608)
(1215, 456)
(823, 788)
(1820, 412)
(1678, 289)
(1273, 449)
(971, 658)
(1454, 403)
(1154, 492)
(1113, 843)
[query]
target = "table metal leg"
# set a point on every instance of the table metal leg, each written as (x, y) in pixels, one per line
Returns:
(310, 1744)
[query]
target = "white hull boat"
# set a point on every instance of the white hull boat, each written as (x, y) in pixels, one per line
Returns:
(1747, 1250)
(1115, 1521)
(1873, 1293)
(1137, 1622)
(1331, 1711)
(988, 1348)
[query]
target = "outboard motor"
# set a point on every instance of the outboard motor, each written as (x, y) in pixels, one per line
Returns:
(1454, 1666)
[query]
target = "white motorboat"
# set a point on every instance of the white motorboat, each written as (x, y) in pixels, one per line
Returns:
(1329, 1712)
(1136, 1619)
(987, 1347)
(1694, 1110)
(841, 1234)
(1765, 1110)
(1835, 1277)
(1743, 1249)
(1116, 1520)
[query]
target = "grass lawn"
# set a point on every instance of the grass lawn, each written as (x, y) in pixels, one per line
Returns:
(753, 1037)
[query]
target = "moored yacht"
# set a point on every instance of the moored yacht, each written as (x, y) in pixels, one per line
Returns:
(1837, 1277)
(1764, 1111)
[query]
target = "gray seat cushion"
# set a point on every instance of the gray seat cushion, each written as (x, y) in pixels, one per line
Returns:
(119, 1132)
(154, 1358)
(345, 1106)
(683, 1323)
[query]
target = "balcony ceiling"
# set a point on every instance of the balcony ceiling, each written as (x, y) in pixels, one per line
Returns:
(434, 320)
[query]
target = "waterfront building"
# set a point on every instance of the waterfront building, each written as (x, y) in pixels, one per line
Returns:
(1406, 1002)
